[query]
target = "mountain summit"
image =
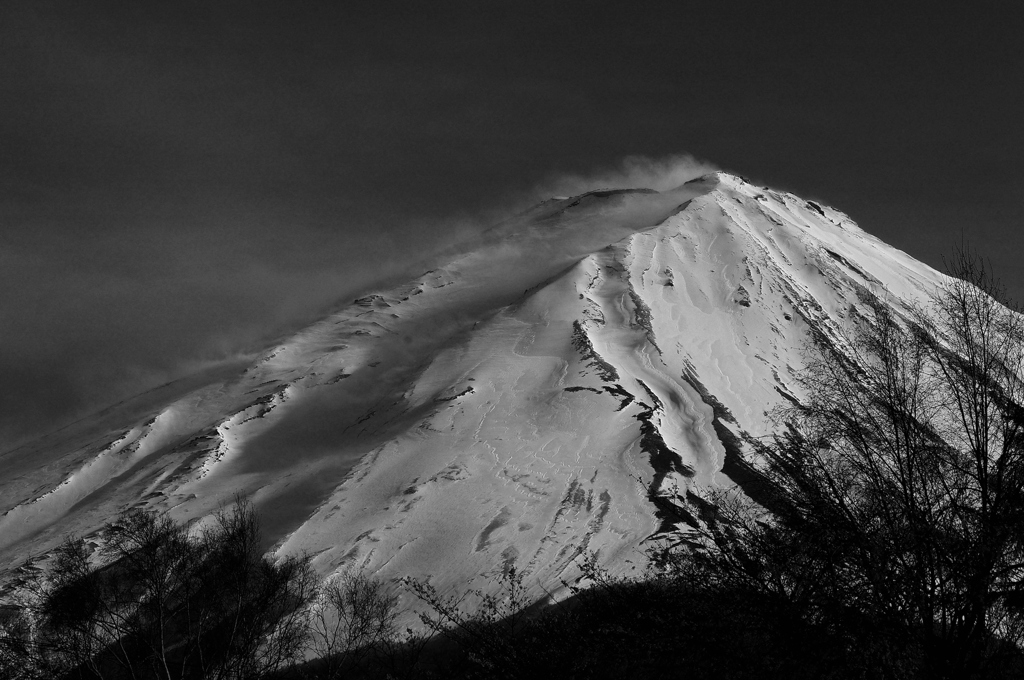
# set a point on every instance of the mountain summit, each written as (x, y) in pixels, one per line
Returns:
(552, 391)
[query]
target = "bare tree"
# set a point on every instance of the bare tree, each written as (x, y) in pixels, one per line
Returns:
(165, 602)
(897, 513)
(258, 604)
(351, 621)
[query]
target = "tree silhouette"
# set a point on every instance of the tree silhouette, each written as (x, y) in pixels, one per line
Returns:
(897, 506)
(165, 601)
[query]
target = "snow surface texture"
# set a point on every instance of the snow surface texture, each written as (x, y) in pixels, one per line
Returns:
(540, 397)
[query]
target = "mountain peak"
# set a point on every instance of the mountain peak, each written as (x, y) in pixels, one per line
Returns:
(499, 409)
(719, 177)
(729, 178)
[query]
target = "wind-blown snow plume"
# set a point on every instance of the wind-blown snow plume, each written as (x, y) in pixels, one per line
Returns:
(634, 172)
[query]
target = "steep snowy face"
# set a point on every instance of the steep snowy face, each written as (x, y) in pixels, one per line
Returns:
(543, 395)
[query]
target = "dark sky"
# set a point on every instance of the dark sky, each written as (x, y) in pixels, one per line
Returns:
(179, 179)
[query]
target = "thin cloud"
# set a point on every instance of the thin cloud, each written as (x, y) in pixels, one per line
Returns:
(634, 172)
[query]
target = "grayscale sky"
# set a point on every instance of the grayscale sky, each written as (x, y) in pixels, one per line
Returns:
(181, 180)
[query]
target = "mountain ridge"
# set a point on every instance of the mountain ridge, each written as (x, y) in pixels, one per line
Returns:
(556, 390)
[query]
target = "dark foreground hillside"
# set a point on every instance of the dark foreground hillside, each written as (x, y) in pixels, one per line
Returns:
(161, 610)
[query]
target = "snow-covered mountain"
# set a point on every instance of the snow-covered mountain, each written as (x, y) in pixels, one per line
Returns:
(541, 396)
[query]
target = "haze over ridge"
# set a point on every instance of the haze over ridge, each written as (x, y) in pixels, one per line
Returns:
(213, 293)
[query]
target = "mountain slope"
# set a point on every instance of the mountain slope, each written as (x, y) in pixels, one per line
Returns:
(543, 395)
